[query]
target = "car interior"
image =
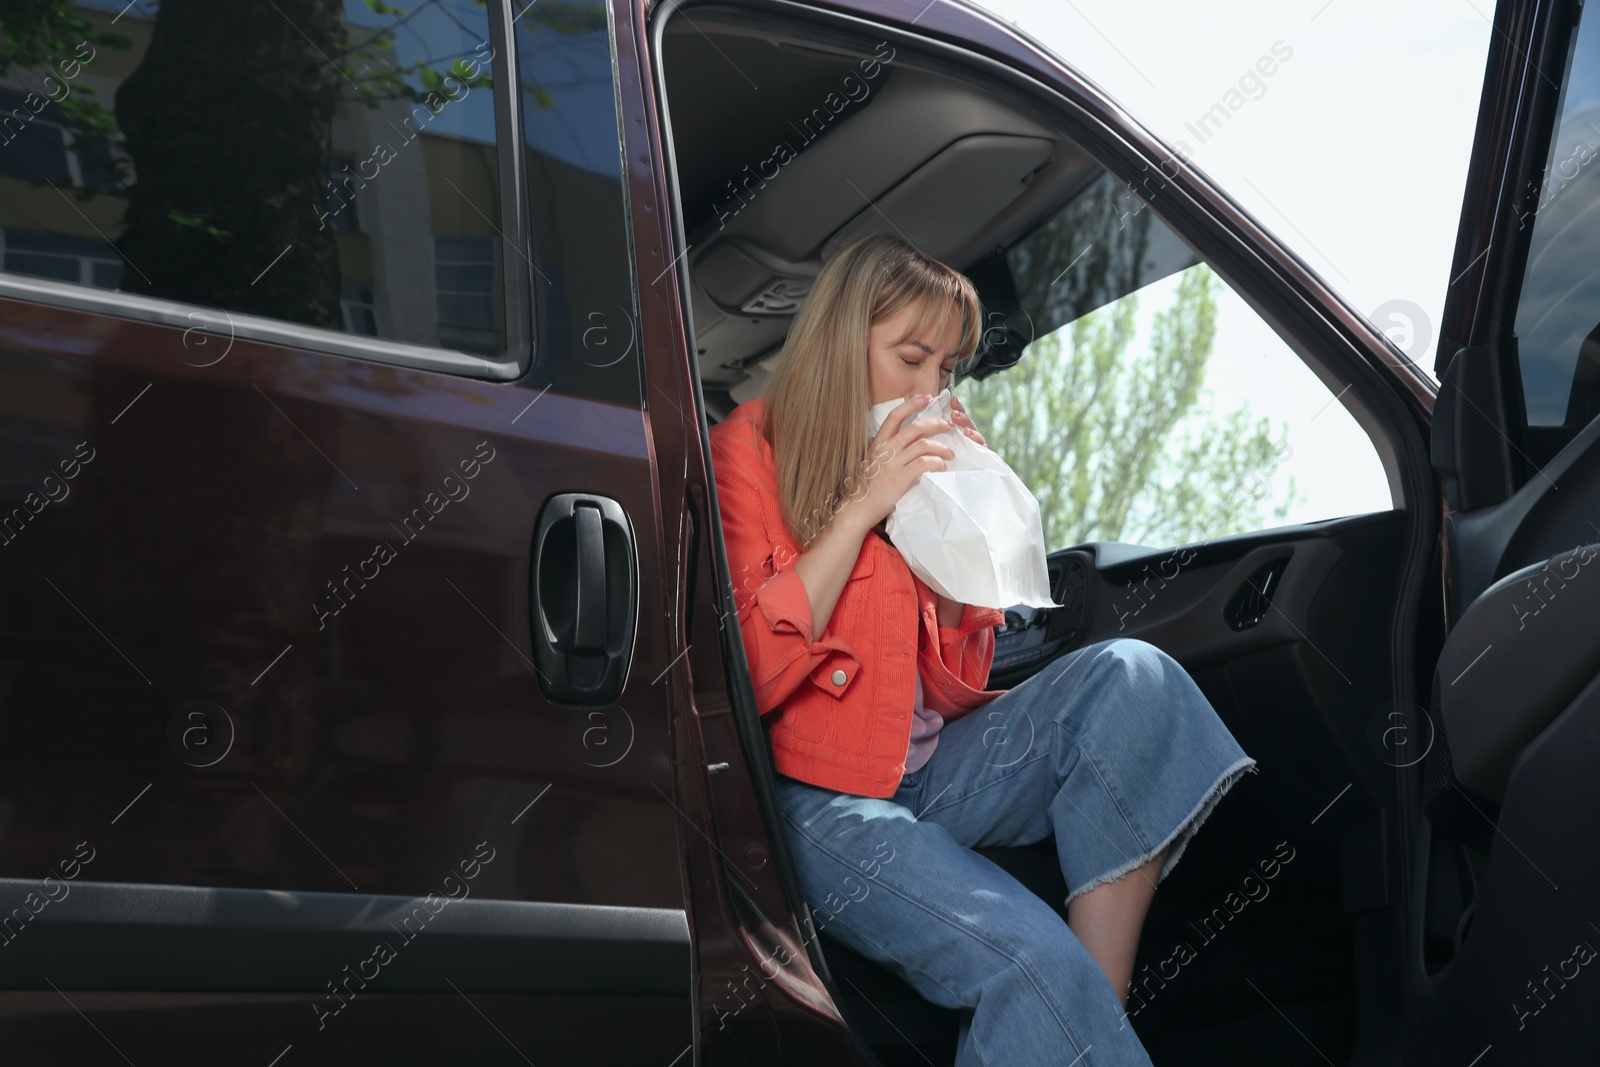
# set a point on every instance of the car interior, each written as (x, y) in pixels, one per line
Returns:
(1287, 631)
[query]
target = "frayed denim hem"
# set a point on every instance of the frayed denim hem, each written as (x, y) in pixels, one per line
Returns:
(1186, 830)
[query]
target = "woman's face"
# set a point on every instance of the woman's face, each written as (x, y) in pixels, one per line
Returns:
(900, 366)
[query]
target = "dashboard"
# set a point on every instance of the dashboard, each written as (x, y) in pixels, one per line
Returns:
(1031, 637)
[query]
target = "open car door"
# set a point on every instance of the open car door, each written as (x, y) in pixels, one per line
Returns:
(1508, 868)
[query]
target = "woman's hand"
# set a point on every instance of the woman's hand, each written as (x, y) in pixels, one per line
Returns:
(899, 455)
(963, 421)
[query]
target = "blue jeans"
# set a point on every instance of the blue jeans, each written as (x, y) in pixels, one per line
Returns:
(1114, 751)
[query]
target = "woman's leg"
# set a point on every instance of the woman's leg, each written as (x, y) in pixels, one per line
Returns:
(1109, 918)
(1114, 751)
(960, 930)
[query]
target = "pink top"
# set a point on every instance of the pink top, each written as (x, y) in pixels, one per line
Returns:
(925, 726)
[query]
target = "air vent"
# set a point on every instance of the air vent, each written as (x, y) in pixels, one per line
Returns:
(1069, 585)
(1253, 600)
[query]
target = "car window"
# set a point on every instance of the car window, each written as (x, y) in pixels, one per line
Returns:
(1154, 405)
(365, 200)
(1558, 314)
(582, 264)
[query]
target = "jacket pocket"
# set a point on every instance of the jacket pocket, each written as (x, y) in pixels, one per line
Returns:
(836, 672)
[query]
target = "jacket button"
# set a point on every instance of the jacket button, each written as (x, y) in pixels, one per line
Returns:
(838, 677)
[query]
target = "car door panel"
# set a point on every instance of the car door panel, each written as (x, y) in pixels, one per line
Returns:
(277, 761)
(1181, 598)
(1302, 688)
(172, 506)
(369, 718)
(278, 764)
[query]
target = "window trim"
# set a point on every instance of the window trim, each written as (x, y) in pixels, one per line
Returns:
(512, 363)
(516, 233)
(1546, 125)
(237, 325)
(528, 947)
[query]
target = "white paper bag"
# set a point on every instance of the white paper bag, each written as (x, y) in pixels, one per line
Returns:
(972, 530)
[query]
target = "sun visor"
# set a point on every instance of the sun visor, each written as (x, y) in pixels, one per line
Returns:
(948, 201)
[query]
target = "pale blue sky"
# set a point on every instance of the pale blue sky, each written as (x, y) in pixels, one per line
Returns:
(1353, 151)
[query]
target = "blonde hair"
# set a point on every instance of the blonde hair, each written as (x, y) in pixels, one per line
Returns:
(818, 398)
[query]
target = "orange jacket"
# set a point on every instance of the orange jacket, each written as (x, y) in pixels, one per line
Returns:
(838, 706)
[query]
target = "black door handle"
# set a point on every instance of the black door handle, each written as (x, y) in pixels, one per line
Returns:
(585, 598)
(589, 631)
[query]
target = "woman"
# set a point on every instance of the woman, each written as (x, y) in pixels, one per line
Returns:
(893, 762)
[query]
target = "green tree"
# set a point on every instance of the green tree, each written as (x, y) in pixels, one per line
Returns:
(41, 38)
(1120, 445)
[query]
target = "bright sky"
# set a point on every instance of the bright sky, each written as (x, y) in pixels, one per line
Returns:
(1353, 151)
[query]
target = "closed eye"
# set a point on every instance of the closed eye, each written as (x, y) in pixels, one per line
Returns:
(944, 372)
